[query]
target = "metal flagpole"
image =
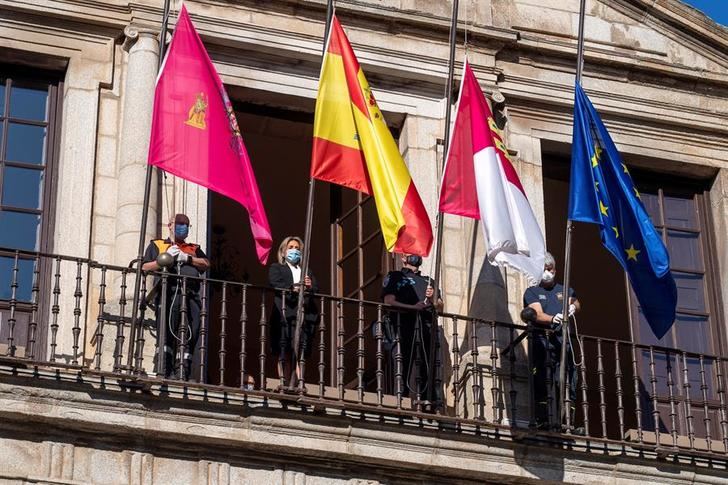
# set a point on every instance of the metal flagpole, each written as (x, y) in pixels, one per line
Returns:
(439, 222)
(309, 221)
(565, 413)
(145, 208)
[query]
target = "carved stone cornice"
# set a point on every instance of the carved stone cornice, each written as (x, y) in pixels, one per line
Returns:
(132, 33)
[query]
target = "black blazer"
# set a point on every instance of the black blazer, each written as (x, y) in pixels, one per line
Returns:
(281, 278)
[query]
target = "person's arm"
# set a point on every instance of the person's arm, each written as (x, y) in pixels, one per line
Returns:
(542, 318)
(200, 264)
(150, 258)
(577, 305)
(530, 299)
(390, 299)
(150, 266)
(200, 261)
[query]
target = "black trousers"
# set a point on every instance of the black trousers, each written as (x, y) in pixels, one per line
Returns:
(173, 320)
(414, 344)
(546, 363)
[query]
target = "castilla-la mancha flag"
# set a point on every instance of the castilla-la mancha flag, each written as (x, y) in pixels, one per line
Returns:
(479, 182)
(195, 134)
(353, 147)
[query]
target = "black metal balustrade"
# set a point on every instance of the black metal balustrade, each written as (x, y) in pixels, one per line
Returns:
(74, 313)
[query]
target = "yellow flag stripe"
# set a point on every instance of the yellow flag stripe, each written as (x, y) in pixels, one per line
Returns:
(390, 179)
(334, 120)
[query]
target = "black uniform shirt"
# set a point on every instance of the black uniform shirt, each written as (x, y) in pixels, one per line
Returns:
(551, 299)
(407, 286)
(186, 269)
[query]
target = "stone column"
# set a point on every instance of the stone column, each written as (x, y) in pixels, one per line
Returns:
(136, 120)
(719, 209)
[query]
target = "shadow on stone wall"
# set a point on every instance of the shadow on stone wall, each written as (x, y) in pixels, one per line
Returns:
(490, 296)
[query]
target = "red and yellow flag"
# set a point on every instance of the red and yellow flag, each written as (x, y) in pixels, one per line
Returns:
(353, 147)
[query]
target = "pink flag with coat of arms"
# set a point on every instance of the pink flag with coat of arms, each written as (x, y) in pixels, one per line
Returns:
(480, 182)
(195, 134)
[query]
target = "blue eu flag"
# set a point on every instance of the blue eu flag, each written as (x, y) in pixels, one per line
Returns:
(602, 192)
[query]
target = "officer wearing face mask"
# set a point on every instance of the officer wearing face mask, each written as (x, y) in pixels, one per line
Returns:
(286, 275)
(189, 260)
(409, 290)
(547, 300)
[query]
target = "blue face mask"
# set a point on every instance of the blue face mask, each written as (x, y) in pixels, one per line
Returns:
(293, 256)
(181, 230)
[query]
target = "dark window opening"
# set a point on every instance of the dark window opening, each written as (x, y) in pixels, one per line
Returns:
(679, 209)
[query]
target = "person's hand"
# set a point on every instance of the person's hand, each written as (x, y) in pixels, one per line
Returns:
(307, 281)
(572, 310)
(178, 255)
(556, 322)
(421, 305)
(173, 251)
(429, 292)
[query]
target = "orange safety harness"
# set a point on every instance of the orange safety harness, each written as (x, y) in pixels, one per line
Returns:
(163, 244)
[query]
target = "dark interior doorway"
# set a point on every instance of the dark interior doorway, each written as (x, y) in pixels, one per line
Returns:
(348, 256)
(597, 278)
(279, 144)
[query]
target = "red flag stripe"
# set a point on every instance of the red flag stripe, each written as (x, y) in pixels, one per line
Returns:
(417, 223)
(340, 164)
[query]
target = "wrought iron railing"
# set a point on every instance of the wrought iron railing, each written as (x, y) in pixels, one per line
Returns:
(75, 313)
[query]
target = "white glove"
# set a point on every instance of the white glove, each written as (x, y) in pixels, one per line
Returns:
(572, 310)
(173, 251)
(178, 255)
(558, 319)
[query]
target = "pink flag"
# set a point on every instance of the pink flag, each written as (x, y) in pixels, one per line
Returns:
(195, 135)
(479, 182)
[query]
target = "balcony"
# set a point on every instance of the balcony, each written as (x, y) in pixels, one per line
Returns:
(66, 327)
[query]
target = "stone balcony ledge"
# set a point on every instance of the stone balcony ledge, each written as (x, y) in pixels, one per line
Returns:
(66, 427)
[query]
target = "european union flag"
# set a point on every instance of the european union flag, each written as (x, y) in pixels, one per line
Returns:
(602, 192)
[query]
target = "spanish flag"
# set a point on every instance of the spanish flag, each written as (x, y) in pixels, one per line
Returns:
(353, 147)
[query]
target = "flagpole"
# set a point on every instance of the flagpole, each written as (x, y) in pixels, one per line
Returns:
(565, 413)
(309, 221)
(145, 207)
(446, 147)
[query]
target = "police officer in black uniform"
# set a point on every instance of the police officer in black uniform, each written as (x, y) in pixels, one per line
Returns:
(189, 260)
(409, 290)
(547, 300)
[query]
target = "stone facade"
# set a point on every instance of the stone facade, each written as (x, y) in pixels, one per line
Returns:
(656, 70)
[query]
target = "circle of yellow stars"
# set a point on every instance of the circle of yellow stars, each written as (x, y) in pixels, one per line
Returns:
(632, 252)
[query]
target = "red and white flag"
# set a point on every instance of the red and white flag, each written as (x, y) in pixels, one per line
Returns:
(195, 134)
(479, 182)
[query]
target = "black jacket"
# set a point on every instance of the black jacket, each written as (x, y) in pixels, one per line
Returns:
(281, 277)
